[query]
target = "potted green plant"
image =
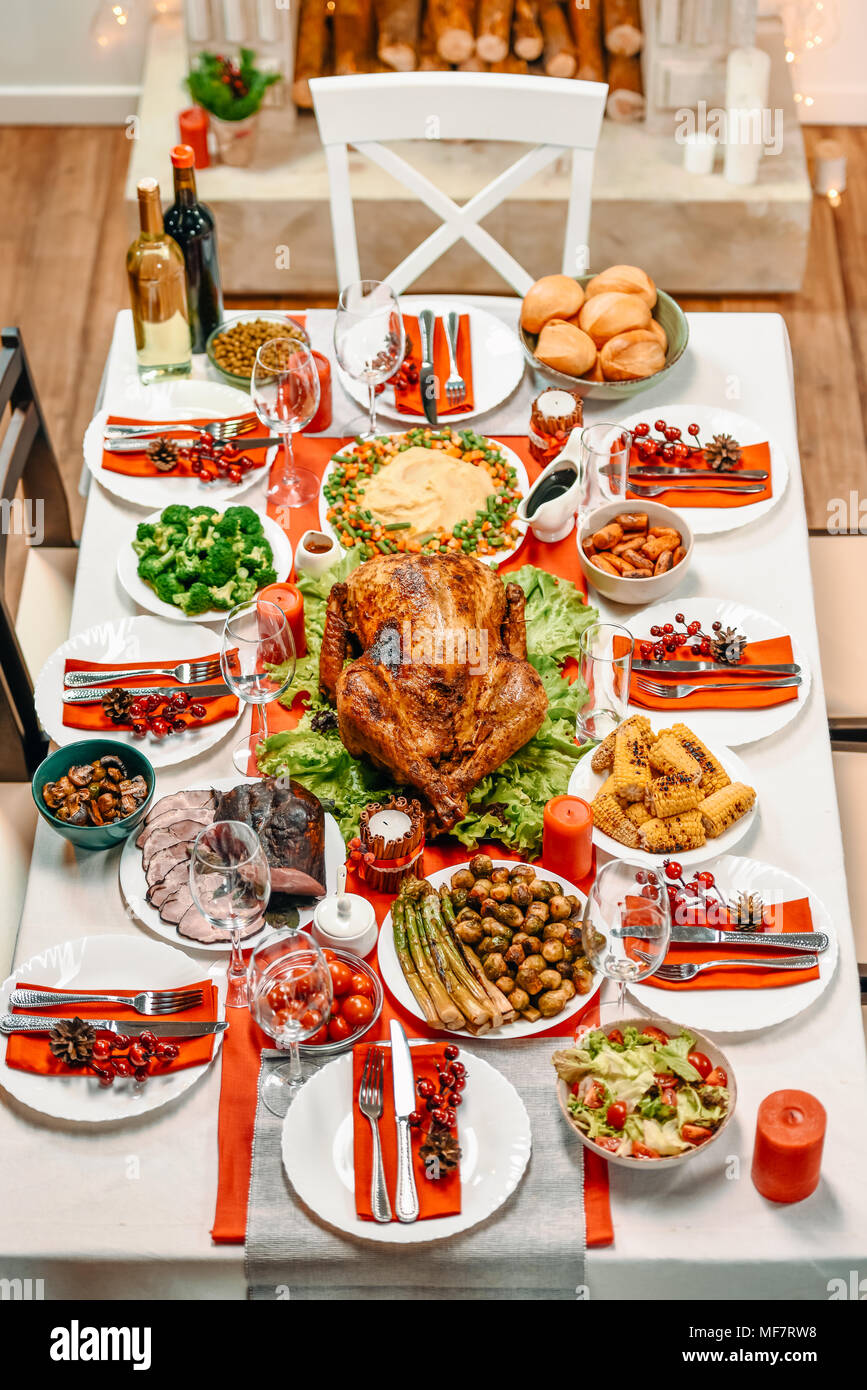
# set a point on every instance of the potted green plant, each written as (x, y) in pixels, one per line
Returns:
(231, 91)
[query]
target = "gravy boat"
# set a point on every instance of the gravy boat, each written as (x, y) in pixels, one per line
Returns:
(552, 503)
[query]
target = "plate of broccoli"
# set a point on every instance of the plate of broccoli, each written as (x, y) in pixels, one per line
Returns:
(195, 563)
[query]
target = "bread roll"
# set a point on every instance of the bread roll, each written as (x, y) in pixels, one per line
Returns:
(623, 279)
(552, 297)
(563, 346)
(656, 327)
(632, 356)
(609, 313)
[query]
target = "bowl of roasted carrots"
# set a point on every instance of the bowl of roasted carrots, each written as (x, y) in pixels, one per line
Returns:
(633, 552)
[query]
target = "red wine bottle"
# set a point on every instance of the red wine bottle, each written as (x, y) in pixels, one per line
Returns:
(192, 226)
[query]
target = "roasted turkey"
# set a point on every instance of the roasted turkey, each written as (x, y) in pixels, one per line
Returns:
(441, 692)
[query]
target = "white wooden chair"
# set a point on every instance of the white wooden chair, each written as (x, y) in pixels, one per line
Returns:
(371, 112)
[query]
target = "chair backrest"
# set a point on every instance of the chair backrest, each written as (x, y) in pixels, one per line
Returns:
(26, 458)
(372, 112)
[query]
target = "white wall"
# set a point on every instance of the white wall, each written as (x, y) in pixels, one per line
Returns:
(834, 74)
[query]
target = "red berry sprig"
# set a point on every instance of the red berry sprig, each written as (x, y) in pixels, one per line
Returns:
(670, 446)
(214, 460)
(441, 1101)
(668, 638)
(162, 715)
(117, 1054)
(683, 895)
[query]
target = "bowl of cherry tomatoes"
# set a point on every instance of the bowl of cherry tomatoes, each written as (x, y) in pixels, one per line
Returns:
(356, 1004)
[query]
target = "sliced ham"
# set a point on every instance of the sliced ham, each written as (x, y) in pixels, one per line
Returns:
(164, 860)
(191, 800)
(197, 928)
(180, 832)
(178, 875)
(196, 815)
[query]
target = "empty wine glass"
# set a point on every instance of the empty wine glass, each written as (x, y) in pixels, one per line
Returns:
(369, 341)
(231, 883)
(284, 389)
(605, 450)
(605, 659)
(627, 911)
(258, 663)
(290, 998)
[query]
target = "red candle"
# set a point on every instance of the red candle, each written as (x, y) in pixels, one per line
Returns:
(322, 419)
(567, 840)
(291, 601)
(787, 1158)
(193, 125)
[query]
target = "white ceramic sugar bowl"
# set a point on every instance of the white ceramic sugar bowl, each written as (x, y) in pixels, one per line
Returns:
(345, 922)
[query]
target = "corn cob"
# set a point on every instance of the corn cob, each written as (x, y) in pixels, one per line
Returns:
(603, 757)
(724, 807)
(631, 772)
(672, 793)
(675, 833)
(607, 788)
(668, 755)
(637, 812)
(609, 818)
(713, 774)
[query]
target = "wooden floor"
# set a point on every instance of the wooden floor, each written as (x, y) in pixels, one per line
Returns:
(64, 234)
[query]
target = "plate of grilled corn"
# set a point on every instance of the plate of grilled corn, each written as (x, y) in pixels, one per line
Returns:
(658, 791)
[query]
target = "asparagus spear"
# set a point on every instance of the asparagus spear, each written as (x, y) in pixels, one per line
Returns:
(454, 963)
(448, 1011)
(423, 999)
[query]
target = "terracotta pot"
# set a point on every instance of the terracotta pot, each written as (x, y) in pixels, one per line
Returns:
(236, 140)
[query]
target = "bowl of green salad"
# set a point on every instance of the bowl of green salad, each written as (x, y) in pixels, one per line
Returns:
(645, 1090)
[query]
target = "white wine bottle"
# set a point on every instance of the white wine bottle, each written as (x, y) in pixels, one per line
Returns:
(158, 292)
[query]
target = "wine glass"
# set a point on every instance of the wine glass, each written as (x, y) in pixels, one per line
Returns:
(257, 658)
(627, 911)
(290, 999)
(607, 447)
(284, 388)
(605, 660)
(231, 883)
(369, 341)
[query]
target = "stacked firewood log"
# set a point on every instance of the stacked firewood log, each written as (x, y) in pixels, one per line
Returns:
(595, 40)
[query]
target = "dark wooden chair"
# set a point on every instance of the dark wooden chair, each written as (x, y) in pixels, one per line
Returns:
(26, 458)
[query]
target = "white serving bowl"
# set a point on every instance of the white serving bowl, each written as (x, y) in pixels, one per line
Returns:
(634, 591)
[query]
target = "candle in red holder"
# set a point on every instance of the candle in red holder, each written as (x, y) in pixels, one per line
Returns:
(322, 419)
(290, 599)
(193, 125)
(567, 840)
(790, 1133)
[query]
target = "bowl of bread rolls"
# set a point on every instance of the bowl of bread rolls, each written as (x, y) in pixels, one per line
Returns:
(606, 336)
(634, 552)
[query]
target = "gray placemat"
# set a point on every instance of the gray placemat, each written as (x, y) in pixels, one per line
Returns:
(533, 1247)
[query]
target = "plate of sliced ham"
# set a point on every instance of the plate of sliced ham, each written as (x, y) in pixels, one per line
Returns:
(304, 847)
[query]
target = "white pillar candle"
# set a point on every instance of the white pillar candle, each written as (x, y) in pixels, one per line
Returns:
(390, 825)
(747, 79)
(699, 152)
(830, 171)
(748, 74)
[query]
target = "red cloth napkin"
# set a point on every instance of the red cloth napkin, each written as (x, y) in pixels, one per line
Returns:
(92, 716)
(138, 465)
(408, 398)
(694, 494)
(783, 917)
(30, 1051)
(771, 651)
(439, 1198)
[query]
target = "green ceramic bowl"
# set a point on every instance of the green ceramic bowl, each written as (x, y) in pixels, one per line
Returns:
(665, 311)
(87, 750)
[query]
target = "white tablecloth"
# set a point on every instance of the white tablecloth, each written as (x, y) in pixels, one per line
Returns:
(126, 1212)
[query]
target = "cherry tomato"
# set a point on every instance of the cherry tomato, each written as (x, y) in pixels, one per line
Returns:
(613, 1145)
(338, 1029)
(341, 977)
(319, 1037)
(668, 1096)
(655, 1033)
(717, 1077)
(357, 1011)
(595, 1096)
(615, 1115)
(695, 1134)
(362, 984)
(642, 1150)
(663, 1078)
(329, 956)
(311, 1018)
(702, 1064)
(615, 1036)
(280, 997)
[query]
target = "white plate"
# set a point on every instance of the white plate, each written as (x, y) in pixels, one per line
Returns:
(494, 1132)
(585, 783)
(170, 400)
(133, 884)
(145, 596)
(707, 521)
(729, 726)
(499, 556)
(105, 963)
(132, 639)
(741, 1010)
(393, 977)
(498, 363)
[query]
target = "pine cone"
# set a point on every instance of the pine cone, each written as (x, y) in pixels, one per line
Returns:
(116, 705)
(748, 912)
(72, 1042)
(728, 646)
(722, 453)
(164, 454)
(440, 1153)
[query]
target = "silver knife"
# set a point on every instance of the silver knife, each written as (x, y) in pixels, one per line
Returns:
(718, 668)
(139, 443)
(649, 471)
(427, 382)
(710, 936)
(87, 694)
(32, 1023)
(403, 1079)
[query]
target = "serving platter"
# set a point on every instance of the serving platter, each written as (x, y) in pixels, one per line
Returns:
(106, 963)
(393, 977)
(132, 639)
(729, 726)
(170, 400)
(708, 521)
(317, 1147)
(498, 363)
(133, 884)
(509, 454)
(146, 597)
(744, 1010)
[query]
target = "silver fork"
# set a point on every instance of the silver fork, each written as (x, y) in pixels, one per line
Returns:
(679, 974)
(150, 1001)
(456, 387)
(187, 672)
(220, 429)
(663, 691)
(643, 490)
(370, 1105)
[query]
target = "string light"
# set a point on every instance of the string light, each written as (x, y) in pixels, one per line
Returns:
(808, 24)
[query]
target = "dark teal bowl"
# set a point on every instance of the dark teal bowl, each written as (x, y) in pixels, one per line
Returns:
(87, 750)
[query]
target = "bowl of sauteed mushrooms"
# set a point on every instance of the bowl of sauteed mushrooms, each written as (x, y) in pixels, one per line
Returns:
(94, 792)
